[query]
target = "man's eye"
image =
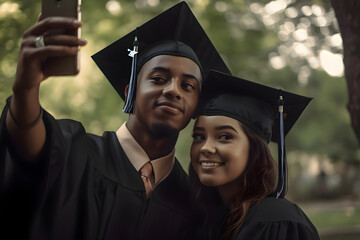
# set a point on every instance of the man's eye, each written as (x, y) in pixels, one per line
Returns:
(198, 137)
(159, 79)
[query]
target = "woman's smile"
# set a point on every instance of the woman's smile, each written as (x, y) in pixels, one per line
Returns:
(220, 149)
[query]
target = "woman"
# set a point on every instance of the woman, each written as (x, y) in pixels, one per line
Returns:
(234, 175)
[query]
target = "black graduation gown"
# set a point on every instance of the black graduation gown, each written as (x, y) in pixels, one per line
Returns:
(84, 187)
(277, 219)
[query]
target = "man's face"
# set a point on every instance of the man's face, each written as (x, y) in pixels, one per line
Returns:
(167, 94)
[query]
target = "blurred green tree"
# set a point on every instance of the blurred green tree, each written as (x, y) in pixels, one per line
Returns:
(294, 45)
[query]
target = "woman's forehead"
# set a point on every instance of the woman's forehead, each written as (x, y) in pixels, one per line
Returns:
(216, 121)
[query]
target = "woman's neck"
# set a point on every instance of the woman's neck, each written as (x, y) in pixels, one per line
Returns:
(229, 190)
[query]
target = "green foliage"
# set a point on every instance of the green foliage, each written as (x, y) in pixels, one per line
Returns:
(15, 18)
(239, 34)
(336, 218)
(324, 128)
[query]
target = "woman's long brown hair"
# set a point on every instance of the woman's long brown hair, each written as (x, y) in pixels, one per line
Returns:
(257, 182)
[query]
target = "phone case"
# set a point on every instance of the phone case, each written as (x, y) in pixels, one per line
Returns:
(68, 65)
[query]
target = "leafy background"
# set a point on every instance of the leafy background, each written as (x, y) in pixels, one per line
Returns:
(290, 44)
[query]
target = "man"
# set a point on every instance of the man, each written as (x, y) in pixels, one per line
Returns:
(60, 182)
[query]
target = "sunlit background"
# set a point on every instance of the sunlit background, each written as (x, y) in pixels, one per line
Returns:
(289, 44)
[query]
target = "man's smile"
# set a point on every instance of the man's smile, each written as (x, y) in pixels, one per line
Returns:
(170, 106)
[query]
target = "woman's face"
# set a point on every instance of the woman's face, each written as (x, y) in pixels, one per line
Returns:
(220, 150)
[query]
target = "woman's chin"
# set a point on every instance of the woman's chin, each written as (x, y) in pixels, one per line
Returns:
(209, 182)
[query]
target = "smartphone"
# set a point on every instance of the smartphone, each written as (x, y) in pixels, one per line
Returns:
(68, 65)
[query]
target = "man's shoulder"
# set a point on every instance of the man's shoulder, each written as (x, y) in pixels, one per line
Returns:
(175, 189)
(70, 126)
(74, 128)
(180, 176)
(72, 132)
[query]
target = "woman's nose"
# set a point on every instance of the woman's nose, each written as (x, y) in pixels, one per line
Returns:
(208, 147)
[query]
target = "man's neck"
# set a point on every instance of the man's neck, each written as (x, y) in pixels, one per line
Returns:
(154, 146)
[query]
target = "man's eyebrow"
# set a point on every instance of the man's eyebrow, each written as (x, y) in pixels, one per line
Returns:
(225, 127)
(161, 69)
(167, 70)
(185, 75)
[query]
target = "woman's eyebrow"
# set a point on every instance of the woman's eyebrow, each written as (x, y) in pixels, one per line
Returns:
(226, 127)
(198, 129)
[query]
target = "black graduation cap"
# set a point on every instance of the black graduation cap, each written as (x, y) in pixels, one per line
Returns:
(267, 111)
(176, 31)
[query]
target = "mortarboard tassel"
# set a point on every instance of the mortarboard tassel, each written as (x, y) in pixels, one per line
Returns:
(129, 103)
(281, 186)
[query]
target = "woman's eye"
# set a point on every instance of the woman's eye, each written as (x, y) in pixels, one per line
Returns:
(225, 137)
(198, 137)
(188, 86)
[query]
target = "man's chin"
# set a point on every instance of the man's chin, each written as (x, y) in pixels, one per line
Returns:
(161, 130)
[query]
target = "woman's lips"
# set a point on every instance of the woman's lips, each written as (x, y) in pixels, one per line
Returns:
(210, 164)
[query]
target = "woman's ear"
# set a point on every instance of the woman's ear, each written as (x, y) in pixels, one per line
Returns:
(126, 92)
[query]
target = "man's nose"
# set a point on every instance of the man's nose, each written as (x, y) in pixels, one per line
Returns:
(172, 89)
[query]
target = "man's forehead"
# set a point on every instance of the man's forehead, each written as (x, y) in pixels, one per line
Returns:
(173, 64)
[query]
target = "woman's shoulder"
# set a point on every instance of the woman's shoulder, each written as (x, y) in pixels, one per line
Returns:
(278, 209)
(277, 218)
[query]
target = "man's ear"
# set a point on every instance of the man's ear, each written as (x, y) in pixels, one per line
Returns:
(126, 92)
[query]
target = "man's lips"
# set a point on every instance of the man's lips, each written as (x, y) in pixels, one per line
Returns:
(170, 106)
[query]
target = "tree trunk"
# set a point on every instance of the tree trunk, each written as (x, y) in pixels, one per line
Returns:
(348, 16)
